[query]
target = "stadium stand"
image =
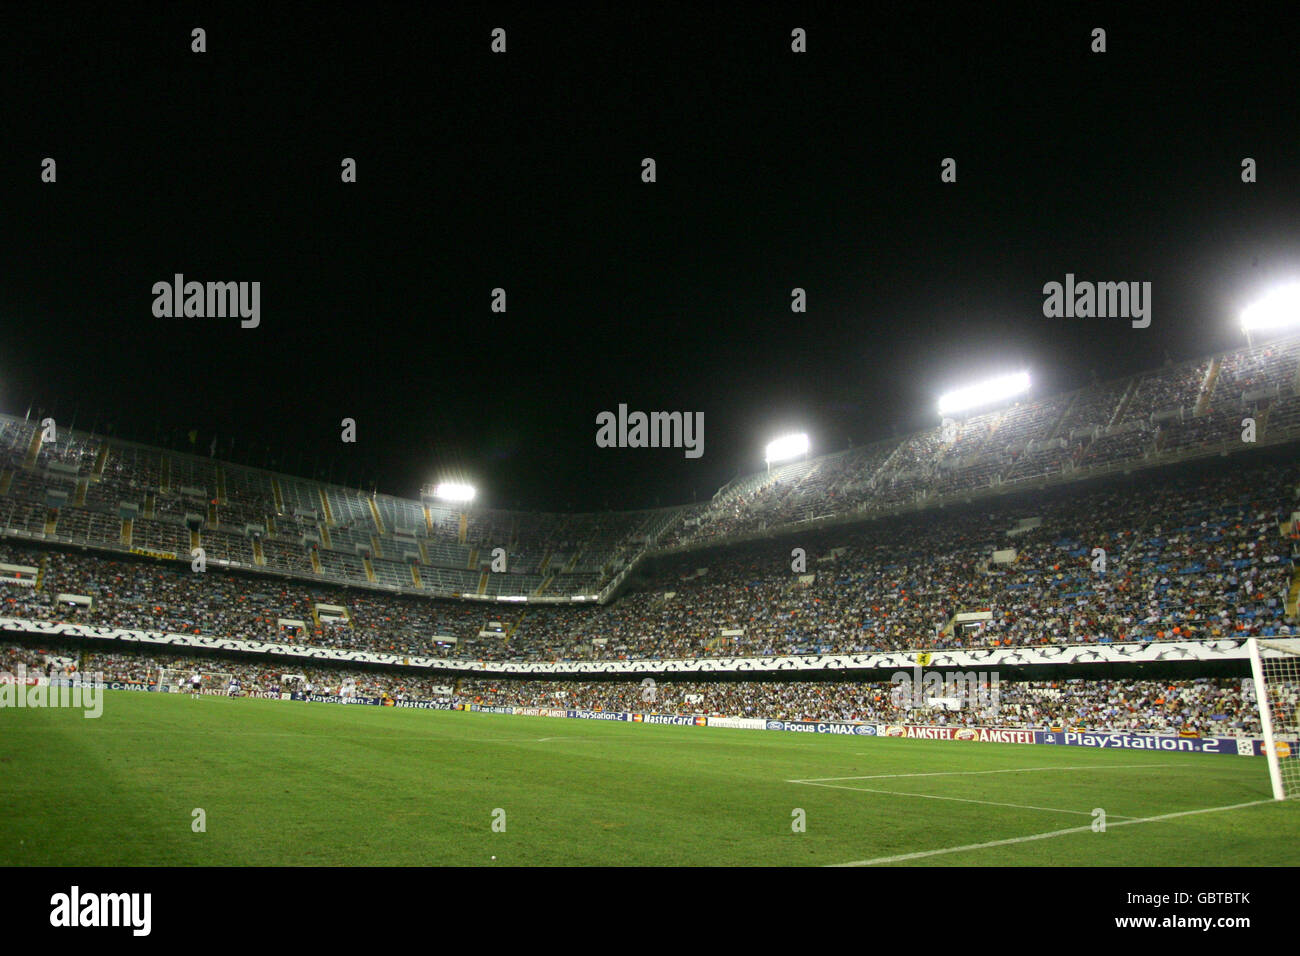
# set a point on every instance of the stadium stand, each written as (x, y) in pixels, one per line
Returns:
(1203, 552)
(1208, 706)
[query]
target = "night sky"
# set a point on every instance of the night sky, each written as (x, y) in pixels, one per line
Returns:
(775, 170)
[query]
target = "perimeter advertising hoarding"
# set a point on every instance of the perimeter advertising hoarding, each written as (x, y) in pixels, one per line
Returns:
(822, 727)
(1232, 746)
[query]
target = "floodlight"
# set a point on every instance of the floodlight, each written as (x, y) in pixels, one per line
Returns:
(788, 446)
(1278, 309)
(984, 393)
(454, 491)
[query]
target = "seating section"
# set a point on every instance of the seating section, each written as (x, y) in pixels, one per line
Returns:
(1178, 411)
(1203, 707)
(88, 490)
(1200, 553)
(1263, 370)
(82, 489)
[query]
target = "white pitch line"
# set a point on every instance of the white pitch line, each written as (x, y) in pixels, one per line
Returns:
(932, 796)
(1041, 836)
(976, 773)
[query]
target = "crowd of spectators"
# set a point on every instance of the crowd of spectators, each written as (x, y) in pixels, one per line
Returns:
(1202, 555)
(169, 495)
(1105, 424)
(217, 673)
(1206, 707)
(321, 531)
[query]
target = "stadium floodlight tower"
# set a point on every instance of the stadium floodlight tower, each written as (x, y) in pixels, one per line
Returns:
(1279, 309)
(453, 491)
(983, 393)
(785, 448)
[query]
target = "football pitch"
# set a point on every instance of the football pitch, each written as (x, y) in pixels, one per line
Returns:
(289, 783)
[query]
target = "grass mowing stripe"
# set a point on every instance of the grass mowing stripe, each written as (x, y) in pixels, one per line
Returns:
(976, 773)
(295, 783)
(934, 796)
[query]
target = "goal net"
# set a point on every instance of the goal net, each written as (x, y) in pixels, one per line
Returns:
(171, 680)
(216, 683)
(1275, 667)
(177, 680)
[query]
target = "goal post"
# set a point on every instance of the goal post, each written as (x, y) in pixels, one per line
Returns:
(177, 679)
(1275, 666)
(215, 682)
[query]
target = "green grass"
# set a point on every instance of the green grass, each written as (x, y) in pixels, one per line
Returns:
(321, 784)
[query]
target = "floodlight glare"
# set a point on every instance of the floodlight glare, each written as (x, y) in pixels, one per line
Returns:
(454, 491)
(984, 393)
(1278, 309)
(788, 446)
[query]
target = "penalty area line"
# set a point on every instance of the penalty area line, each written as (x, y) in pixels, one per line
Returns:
(921, 854)
(935, 796)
